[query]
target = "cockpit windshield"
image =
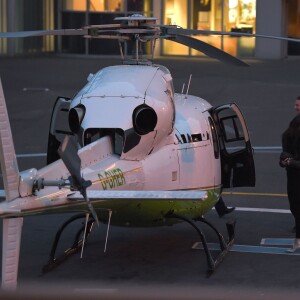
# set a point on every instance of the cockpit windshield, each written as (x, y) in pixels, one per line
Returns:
(93, 134)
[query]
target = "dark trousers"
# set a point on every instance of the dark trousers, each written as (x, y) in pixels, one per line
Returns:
(293, 189)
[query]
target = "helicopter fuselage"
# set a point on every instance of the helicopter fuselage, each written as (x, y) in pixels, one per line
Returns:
(176, 154)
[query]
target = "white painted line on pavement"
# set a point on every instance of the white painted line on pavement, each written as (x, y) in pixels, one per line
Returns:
(264, 210)
(248, 249)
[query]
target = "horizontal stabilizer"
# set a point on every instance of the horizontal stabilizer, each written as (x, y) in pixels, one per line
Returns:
(142, 195)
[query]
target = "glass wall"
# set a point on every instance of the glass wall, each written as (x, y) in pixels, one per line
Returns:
(79, 13)
(225, 15)
(3, 25)
(293, 11)
(175, 13)
(18, 15)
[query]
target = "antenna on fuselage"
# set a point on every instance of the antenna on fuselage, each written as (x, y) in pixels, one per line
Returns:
(121, 50)
(182, 90)
(188, 87)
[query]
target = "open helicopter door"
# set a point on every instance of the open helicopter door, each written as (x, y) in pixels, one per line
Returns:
(59, 127)
(237, 161)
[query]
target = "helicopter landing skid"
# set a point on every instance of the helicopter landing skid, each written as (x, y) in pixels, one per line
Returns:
(212, 263)
(76, 246)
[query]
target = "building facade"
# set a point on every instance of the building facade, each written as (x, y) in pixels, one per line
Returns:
(269, 17)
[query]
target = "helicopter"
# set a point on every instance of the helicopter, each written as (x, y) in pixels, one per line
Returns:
(127, 150)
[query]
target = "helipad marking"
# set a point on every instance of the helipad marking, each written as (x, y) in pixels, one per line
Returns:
(265, 210)
(277, 242)
(247, 249)
(267, 149)
(31, 155)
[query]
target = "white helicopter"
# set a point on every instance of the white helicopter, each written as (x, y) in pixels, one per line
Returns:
(127, 150)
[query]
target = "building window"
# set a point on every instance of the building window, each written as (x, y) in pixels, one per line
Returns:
(79, 5)
(175, 13)
(3, 26)
(240, 16)
(225, 15)
(105, 5)
(293, 29)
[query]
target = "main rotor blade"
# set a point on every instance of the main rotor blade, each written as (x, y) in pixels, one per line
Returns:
(182, 31)
(59, 32)
(207, 49)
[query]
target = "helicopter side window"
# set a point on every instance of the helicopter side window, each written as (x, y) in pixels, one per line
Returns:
(183, 138)
(193, 138)
(178, 139)
(196, 137)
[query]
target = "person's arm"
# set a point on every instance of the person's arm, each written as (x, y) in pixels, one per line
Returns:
(293, 163)
(285, 159)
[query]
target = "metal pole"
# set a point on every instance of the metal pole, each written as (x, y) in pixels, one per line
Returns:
(11, 44)
(222, 24)
(87, 12)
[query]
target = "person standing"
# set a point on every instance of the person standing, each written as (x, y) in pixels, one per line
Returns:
(290, 160)
(297, 105)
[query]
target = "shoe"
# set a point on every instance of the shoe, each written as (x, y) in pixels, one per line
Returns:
(225, 211)
(295, 248)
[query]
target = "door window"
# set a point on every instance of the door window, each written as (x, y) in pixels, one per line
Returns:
(237, 163)
(232, 131)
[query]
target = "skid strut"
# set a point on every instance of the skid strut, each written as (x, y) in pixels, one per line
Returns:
(76, 246)
(212, 263)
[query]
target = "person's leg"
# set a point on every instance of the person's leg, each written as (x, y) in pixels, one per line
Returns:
(296, 245)
(293, 189)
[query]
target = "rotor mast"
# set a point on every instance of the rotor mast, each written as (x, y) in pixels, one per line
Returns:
(137, 22)
(134, 30)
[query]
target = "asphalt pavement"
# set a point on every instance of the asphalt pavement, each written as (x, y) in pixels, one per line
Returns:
(159, 263)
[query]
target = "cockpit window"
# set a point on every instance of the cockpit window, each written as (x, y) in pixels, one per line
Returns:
(93, 134)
